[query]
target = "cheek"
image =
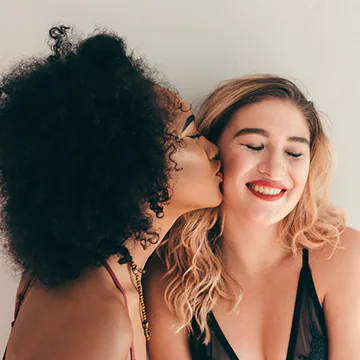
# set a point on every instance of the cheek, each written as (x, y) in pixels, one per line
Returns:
(192, 160)
(300, 175)
(236, 163)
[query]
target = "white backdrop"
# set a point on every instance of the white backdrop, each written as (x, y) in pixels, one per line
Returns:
(198, 43)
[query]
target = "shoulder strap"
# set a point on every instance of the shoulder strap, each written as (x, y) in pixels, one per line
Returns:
(116, 282)
(305, 256)
(310, 282)
(19, 300)
(21, 297)
(118, 285)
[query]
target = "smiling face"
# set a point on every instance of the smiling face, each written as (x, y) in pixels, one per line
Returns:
(265, 151)
(196, 185)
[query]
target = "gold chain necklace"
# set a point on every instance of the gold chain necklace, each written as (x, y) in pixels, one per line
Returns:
(137, 271)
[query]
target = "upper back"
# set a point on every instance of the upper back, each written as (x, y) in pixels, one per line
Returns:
(74, 321)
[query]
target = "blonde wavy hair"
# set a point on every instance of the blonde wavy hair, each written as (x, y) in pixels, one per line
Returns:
(195, 278)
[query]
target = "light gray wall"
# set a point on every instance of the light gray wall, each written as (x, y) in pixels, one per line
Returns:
(198, 43)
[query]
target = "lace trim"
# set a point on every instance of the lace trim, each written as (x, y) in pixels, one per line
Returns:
(318, 345)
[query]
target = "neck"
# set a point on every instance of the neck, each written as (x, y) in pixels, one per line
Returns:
(250, 248)
(161, 227)
(138, 253)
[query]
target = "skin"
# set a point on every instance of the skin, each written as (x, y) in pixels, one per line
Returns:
(249, 155)
(268, 274)
(87, 318)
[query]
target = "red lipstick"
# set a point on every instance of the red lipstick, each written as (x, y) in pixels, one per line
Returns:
(269, 184)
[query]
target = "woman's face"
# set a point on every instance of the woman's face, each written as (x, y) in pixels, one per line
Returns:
(265, 152)
(197, 184)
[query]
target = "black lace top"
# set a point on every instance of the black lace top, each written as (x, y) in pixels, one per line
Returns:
(308, 337)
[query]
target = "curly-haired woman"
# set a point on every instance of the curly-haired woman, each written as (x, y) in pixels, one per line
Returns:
(97, 162)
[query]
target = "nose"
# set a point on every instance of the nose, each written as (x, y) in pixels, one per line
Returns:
(211, 149)
(273, 165)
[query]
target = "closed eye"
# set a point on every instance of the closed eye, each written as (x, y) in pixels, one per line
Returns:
(294, 155)
(262, 147)
(254, 148)
(197, 136)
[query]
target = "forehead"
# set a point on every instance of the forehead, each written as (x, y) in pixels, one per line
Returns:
(278, 117)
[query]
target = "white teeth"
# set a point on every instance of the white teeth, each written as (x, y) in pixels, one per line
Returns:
(266, 190)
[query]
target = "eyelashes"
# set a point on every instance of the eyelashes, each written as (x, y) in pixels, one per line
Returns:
(255, 148)
(294, 155)
(197, 136)
(262, 147)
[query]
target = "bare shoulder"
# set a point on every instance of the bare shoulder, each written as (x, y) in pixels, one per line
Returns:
(155, 275)
(154, 284)
(155, 264)
(348, 250)
(351, 237)
(334, 269)
(95, 332)
(164, 325)
(339, 277)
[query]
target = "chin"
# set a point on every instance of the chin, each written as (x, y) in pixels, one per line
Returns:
(211, 202)
(264, 219)
(217, 200)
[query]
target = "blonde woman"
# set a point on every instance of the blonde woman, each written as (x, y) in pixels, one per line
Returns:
(278, 274)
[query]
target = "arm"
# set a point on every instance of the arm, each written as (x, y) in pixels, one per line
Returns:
(342, 299)
(165, 343)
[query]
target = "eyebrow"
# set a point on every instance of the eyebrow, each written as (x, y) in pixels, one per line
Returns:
(265, 133)
(188, 121)
(299, 139)
(257, 131)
